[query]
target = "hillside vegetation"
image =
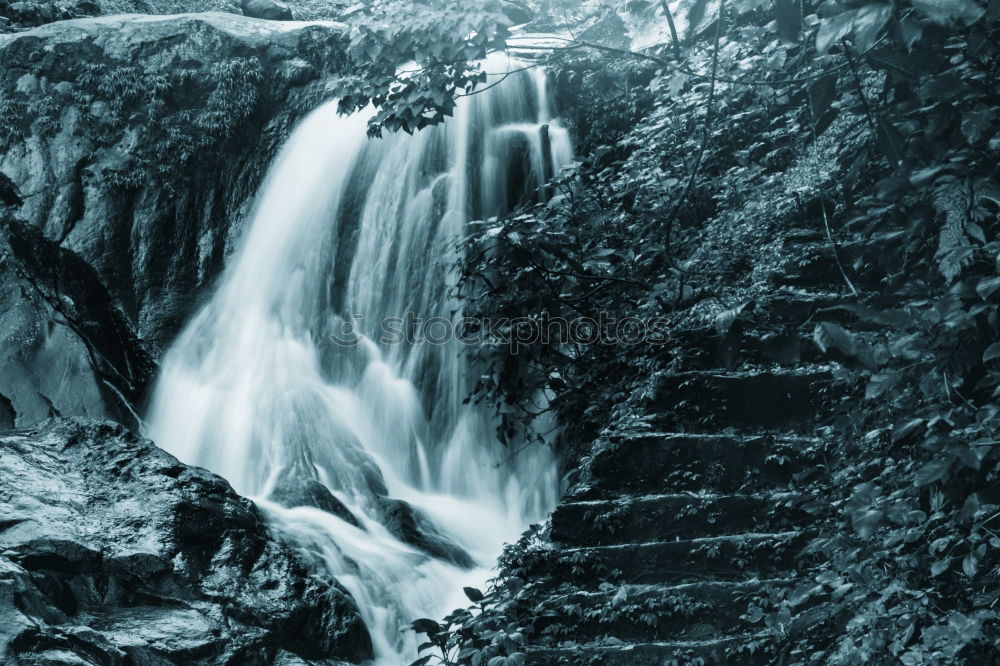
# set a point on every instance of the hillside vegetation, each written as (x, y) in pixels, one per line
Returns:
(869, 127)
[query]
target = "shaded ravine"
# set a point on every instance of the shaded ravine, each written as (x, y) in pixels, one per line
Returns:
(360, 447)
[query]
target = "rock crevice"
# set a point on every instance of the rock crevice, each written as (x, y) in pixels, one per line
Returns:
(65, 348)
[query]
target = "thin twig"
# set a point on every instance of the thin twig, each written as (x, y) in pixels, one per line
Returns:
(833, 245)
(861, 91)
(576, 44)
(822, 202)
(709, 119)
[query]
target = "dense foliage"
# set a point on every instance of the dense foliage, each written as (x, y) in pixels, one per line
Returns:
(875, 123)
(413, 59)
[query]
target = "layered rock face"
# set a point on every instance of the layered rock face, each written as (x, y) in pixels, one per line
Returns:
(112, 552)
(307, 10)
(139, 141)
(16, 15)
(64, 349)
(21, 15)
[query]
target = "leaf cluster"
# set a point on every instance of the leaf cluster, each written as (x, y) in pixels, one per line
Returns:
(411, 60)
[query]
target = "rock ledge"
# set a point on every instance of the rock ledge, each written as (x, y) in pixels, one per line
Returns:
(112, 552)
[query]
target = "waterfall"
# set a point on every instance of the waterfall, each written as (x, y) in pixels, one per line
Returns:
(361, 449)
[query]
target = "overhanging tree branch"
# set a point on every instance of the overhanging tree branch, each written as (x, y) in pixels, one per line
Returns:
(640, 55)
(673, 29)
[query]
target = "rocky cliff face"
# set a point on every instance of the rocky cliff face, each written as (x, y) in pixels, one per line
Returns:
(138, 141)
(64, 348)
(16, 15)
(112, 552)
(21, 15)
(307, 10)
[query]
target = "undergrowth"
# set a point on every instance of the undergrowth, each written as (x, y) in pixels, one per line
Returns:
(874, 128)
(187, 111)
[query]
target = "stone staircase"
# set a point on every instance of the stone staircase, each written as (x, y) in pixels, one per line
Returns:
(685, 524)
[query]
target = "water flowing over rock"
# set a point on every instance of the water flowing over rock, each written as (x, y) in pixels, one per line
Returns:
(113, 552)
(264, 388)
(139, 141)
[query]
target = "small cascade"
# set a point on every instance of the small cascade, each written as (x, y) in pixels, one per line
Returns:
(296, 384)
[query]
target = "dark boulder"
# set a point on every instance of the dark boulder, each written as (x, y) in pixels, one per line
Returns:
(410, 526)
(517, 12)
(9, 196)
(273, 10)
(64, 348)
(296, 488)
(113, 552)
(22, 15)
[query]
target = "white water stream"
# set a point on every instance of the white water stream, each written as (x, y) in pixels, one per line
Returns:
(256, 389)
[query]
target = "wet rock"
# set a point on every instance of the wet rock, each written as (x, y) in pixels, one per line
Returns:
(271, 10)
(64, 348)
(411, 527)
(21, 15)
(298, 489)
(517, 12)
(9, 196)
(139, 142)
(304, 10)
(24, 15)
(113, 552)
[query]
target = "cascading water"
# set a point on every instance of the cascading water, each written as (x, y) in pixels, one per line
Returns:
(364, 454)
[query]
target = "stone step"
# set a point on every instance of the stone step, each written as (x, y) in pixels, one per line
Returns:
(655, 462)
(730, 557)
(751, 400)
(704, 349)
(803, 235)
(746, 650)
(663, 517)
(775, 330)
(813, 264)
(797, 307)
(693, 611)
